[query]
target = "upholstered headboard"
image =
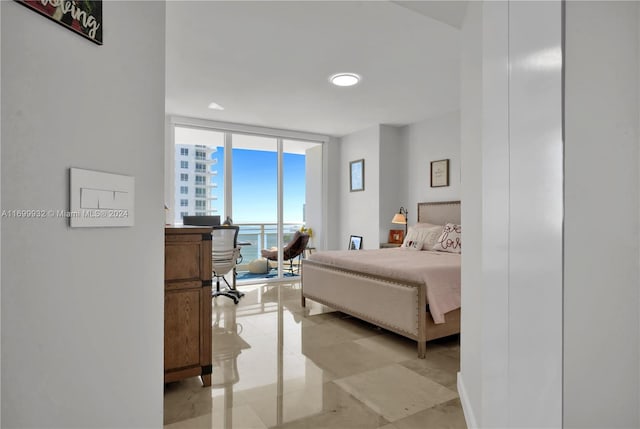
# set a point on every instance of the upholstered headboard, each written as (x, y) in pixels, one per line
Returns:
(439, 213)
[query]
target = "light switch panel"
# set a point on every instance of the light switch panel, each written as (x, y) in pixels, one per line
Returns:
(101, 199)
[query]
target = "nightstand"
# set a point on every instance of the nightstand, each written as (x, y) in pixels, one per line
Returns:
(389, 245)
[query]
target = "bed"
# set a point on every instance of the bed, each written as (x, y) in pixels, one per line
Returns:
(382, 286)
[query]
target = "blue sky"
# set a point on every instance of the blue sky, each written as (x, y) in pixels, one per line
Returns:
(255, 186)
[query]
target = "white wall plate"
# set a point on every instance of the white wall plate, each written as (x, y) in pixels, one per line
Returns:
(101, 199)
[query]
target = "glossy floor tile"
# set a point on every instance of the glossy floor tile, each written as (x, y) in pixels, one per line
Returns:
(277, 364)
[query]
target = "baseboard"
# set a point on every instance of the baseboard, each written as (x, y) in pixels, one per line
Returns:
(469, 417)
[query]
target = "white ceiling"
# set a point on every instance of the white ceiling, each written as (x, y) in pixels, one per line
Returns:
(267, 63)
(450, 11)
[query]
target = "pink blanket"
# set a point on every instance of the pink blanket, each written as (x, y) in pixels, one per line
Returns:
(439, 271)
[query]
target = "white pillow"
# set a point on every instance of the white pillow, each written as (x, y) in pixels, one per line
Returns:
(412, 235)
(259, 266)
(428, 235)
(450, 240)
(431, 236)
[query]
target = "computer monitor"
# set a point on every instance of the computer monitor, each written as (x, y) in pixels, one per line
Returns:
(201, 220)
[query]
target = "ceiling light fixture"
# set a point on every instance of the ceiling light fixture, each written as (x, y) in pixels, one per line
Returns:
(344, 79)
(215, 106)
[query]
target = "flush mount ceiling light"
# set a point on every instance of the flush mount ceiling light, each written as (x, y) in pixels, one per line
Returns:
(215, 106)
(344, 79)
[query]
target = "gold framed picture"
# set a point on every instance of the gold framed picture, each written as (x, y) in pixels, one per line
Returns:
(396, 236)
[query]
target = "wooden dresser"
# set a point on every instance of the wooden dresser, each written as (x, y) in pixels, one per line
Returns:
(187, 303)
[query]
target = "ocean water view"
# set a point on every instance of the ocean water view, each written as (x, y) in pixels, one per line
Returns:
(262, 236)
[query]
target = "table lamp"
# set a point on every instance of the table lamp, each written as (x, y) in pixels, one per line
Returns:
(401, 218)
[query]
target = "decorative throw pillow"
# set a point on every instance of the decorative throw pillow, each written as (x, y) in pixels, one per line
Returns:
(413, 244)
(423, 232)
(450, 240)
(412, 235)
(430, 237)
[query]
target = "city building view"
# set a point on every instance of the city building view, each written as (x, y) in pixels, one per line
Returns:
(196, 168)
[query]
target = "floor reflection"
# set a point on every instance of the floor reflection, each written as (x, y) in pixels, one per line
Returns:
(277, 364)
(228, 346)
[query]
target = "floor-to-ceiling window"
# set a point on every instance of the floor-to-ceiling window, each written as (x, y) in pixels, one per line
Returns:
(268, 184)
(255, 200)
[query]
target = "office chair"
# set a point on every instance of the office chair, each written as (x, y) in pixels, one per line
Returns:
(224, 256)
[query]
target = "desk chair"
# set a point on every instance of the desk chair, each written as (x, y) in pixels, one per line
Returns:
(224, 256)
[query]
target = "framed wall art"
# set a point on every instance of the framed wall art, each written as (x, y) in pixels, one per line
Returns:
(439, 173)
(83, 17)
(356, 175)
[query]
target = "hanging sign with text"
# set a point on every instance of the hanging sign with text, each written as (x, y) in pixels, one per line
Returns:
(81, 16)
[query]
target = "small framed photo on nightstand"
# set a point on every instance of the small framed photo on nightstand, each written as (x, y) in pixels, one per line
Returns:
(355, 242)
(396, 236)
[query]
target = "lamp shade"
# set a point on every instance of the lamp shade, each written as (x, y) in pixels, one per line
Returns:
(399, 218)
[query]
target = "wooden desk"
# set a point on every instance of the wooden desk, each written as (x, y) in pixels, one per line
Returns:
(187, 303)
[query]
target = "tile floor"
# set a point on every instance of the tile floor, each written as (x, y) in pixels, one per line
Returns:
(277, 364)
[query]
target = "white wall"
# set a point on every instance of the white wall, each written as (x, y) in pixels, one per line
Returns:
(82, 309)
(397, 173)
(471, 197)
(332, 194)
(430, 140)
(359, 213)
(494, 312)
(519, 384)
(369, 213)
(393, 178)
(601, 216)
(314, 205)
(0, 224)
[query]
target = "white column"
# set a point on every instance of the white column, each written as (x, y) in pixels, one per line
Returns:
(535, 214)
(522, 199)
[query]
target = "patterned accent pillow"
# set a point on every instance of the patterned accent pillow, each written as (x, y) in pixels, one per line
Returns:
(450, 240)
(428, 236)
(413, 244)
(411, 236)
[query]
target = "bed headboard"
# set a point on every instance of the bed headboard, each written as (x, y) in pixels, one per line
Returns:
(439, 213)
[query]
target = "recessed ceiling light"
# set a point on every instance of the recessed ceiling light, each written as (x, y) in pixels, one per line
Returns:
(215, 106)
(344, 79)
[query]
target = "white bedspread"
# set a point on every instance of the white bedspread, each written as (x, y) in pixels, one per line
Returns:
(439, 271)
